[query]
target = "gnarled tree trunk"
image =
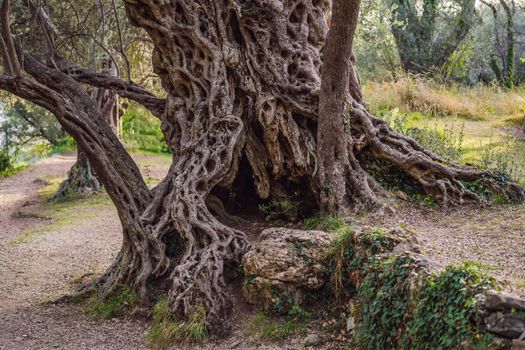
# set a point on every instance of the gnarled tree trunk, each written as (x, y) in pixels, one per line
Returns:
(243, 81)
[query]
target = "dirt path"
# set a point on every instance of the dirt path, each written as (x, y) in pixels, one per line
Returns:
(43, 266)
(21, 190)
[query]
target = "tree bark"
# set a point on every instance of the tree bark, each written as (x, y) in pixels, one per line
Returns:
(340, 174)
(81, 180)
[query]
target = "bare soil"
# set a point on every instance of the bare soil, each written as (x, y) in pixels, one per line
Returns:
(45, 265)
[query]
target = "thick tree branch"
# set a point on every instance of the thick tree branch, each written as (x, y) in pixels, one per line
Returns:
(126, 89)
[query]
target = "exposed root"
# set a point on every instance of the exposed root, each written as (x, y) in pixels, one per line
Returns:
(199, 277)
(441, 179)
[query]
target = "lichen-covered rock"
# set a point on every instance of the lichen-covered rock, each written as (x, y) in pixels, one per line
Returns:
(283, 266)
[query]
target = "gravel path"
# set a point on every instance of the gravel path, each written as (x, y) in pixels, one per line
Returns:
(43, 267)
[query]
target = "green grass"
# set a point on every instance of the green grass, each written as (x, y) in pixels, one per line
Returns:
(14, 170)
(166, 329)
(61, 214)
(262, 328)
(470, 122)
(114, 306)
(482, 143)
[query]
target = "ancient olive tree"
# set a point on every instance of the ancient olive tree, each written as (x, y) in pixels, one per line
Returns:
(244, 104)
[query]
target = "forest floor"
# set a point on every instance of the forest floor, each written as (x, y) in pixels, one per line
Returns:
(45, 249)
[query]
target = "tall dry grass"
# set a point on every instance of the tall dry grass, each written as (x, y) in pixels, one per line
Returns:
(415, 94)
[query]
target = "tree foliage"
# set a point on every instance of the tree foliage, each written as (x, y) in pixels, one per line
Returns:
(428, 32)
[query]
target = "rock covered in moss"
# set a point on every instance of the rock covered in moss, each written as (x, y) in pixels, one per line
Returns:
(283, 266)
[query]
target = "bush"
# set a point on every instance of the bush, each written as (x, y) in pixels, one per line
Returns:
(441, 312)
(383, 302)
(6, 162)
(445, 312)
(65, 145)
(8, 166)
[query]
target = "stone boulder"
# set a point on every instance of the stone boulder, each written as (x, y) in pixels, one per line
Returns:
(506, 324)
(501, 301)
(283, 266)
(505, 317)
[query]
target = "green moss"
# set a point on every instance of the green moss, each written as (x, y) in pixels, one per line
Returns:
(166, 329)
(113, 306)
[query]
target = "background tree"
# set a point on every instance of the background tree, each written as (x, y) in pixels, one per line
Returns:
(243, 85)
(426, 38)
(375, 49)
(503, 60)
(25, 122)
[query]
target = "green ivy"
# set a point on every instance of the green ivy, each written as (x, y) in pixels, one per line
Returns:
(383, 302)
(445, 314)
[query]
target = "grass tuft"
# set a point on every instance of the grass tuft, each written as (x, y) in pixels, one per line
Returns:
(166, 329)
(114, 306)
(262, 328)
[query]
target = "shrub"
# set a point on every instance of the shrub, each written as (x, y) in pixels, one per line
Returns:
(141, 131)
(438, 313)
(383, 302)
(6, 162)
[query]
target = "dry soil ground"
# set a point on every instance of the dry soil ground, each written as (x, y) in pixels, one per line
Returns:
(44, 249)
